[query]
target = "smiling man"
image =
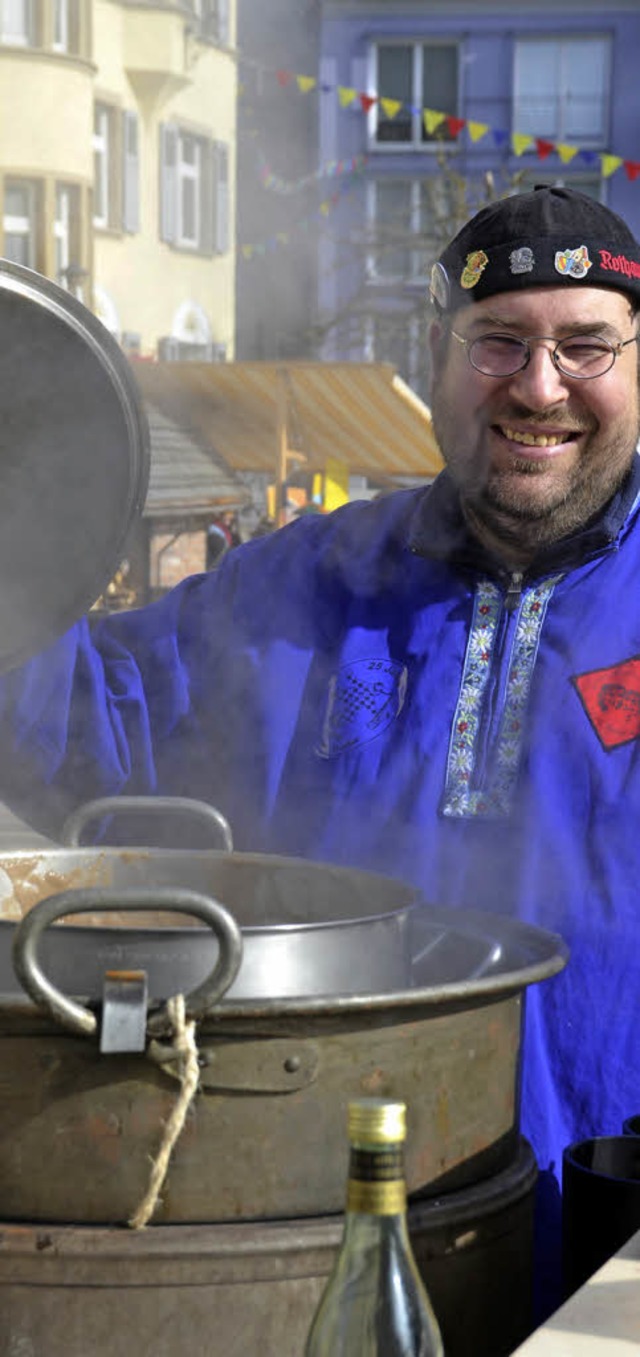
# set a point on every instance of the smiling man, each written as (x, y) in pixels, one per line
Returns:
(534, 398)
(441, 685)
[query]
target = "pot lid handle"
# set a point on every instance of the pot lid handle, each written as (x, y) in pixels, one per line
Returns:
(81, 1020)
(149, 805)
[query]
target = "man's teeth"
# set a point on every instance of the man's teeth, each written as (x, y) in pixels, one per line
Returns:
(534, 440)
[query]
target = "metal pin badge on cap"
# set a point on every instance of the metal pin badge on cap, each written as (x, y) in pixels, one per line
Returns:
(439, 286)
(73, 460)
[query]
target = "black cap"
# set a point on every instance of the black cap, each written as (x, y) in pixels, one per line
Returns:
(551, 237)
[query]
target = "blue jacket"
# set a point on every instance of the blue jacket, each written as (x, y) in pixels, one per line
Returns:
(368, 688)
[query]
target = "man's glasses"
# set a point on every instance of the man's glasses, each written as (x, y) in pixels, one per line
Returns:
(580, 356)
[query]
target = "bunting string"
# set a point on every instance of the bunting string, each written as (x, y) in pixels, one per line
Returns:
(435, 120)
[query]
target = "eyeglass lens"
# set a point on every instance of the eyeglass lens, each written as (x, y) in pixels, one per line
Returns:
(577, 355)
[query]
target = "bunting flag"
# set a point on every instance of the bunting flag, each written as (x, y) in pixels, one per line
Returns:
(477, 130)
(333, 169)
(566, 153)
(390, 107)
(610, 163)
(521, 142)
(433, 119)
(281, 238)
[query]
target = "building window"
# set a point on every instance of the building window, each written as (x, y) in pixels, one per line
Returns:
(194, 191)
(67, 239)
(399, 339)
(213, 19)
(20, 221)
(561, 89)
(17, 22)
(61, 26)
(103, 156)
(408, 223)
(116, 195)
(189, 200)
(419, 75)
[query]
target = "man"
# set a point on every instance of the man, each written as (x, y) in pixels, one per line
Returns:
(442, 684)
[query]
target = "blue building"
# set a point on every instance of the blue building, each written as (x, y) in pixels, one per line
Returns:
(449, 104)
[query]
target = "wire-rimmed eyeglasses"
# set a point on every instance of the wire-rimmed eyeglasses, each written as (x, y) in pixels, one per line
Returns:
(579, 356)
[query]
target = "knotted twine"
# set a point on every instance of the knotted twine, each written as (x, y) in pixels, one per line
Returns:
(184, 1053)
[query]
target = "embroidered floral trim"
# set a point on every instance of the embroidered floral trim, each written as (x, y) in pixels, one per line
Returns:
(494, 795)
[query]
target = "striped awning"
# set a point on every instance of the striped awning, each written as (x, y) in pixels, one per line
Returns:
(362, 414)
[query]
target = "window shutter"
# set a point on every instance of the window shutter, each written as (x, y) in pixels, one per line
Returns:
(168, 181)
(221, 221)
(223, 21)
(130, 172)
(207, 197)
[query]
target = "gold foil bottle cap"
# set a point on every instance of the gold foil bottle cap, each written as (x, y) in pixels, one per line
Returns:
(377, 1121)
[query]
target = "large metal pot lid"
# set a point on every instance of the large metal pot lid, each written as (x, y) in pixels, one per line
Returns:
(73, 464)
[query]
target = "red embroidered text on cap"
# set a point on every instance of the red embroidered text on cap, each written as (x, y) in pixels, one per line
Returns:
(611, 699)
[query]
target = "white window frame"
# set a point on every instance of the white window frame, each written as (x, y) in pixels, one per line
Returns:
(416, 224)
(22, 34)
(559, 43)
(417, 141)
(62, 230)
(415, 376)
(61, 26)
(189, 173)
(102, 151)
(24, 226)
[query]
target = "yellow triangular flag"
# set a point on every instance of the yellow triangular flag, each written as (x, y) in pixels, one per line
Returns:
(325, 207)
(346, 96)
(610, 163)
(390, 107)
(305, 83)
(477, 130)
(521, 142)
(566, 152)
(432, 119)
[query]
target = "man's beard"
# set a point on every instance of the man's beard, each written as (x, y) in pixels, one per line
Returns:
(498, 502)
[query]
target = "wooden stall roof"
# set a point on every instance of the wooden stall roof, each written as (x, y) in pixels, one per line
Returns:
(363, 414)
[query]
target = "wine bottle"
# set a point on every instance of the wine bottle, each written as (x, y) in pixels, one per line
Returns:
(375, 1303)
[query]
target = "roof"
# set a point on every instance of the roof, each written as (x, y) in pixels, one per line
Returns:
(362, 414)
(184, 476)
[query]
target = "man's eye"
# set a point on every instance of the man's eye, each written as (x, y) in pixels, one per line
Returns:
(584, 348)
(499, 343)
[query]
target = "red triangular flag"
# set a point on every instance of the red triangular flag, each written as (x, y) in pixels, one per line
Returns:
(367, 101)
(544, 148)
(455, 125)
(632, 168)
(284, 77)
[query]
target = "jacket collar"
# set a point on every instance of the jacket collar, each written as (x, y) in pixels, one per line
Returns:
(438, 530)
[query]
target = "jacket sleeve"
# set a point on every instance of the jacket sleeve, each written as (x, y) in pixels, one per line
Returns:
(90, 716)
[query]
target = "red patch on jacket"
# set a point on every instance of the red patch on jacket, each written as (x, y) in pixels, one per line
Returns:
(611, 699)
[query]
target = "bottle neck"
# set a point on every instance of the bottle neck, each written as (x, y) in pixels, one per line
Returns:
(376, 1184)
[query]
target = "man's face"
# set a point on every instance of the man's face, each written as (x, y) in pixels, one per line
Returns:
(521, 492)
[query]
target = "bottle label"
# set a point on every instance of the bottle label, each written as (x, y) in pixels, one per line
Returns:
(376, 1181)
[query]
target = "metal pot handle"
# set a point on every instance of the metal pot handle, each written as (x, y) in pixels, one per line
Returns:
(75, 1017)
(154, 805)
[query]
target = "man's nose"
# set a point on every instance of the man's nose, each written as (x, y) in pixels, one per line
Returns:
(540, 384)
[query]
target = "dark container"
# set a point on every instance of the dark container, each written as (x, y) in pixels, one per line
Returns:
(600, 1203)
(250, 1289)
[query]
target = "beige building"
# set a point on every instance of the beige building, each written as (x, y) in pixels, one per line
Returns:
(117, 162)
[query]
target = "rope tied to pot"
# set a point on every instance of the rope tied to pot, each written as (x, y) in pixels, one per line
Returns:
(183, 1053)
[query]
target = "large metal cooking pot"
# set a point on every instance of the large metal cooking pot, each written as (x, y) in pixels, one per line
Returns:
(385, 995)
(74, 464)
